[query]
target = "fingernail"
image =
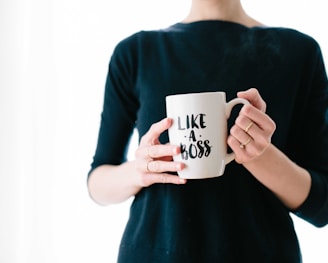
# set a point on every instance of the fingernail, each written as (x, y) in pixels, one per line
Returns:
(176, 150)
(181, 180)
(180, 166)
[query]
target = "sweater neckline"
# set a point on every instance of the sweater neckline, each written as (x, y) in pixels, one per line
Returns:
(205, 24)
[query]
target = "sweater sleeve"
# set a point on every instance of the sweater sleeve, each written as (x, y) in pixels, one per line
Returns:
(313, 144)
(119, 109)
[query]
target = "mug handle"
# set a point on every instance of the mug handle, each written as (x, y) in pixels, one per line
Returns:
(231, 156)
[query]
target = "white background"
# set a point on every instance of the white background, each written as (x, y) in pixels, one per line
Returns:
(53, 63)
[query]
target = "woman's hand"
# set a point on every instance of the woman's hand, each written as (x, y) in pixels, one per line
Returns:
(110, 184)
(153, 160)
(253, 129)
(250, 139)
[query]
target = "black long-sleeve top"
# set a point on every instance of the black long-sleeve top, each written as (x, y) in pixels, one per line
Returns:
(232, 218)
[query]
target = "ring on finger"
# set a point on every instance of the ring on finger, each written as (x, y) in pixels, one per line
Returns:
(243, 145)
(249, 126)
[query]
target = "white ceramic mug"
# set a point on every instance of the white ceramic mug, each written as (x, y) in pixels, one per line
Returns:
(200, 129)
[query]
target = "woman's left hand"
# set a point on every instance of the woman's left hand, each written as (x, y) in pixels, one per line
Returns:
(251, 134)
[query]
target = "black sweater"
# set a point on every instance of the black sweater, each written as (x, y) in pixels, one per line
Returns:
(232, 218)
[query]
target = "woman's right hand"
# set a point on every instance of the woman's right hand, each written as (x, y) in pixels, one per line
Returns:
(110, 184)
(154, 160)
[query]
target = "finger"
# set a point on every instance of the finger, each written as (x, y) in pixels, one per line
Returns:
(242, 155)
(243, 137)
(158, 166)
(254, 97)
(171, 179)
(249, 151)
(160, 150)
(155, 130)
(163, 178)
(262, 120)
(243, 123)
(261, 136)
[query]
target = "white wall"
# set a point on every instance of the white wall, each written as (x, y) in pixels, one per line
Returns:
(53, 63)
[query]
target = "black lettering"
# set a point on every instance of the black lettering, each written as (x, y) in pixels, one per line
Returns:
(193, 121)
(207, 147)
(179, 124)
(192, 136)
(183, 152)
(200, 148)
(192, 151)
(201, 121)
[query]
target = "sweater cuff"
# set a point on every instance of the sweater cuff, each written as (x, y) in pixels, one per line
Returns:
(314, 209)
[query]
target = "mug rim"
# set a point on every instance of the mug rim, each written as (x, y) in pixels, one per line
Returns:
(197, 93)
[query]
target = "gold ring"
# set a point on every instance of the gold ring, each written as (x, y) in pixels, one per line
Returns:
(242, 145)
(249, 126)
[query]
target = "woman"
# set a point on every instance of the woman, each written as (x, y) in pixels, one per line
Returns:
(280, 140)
